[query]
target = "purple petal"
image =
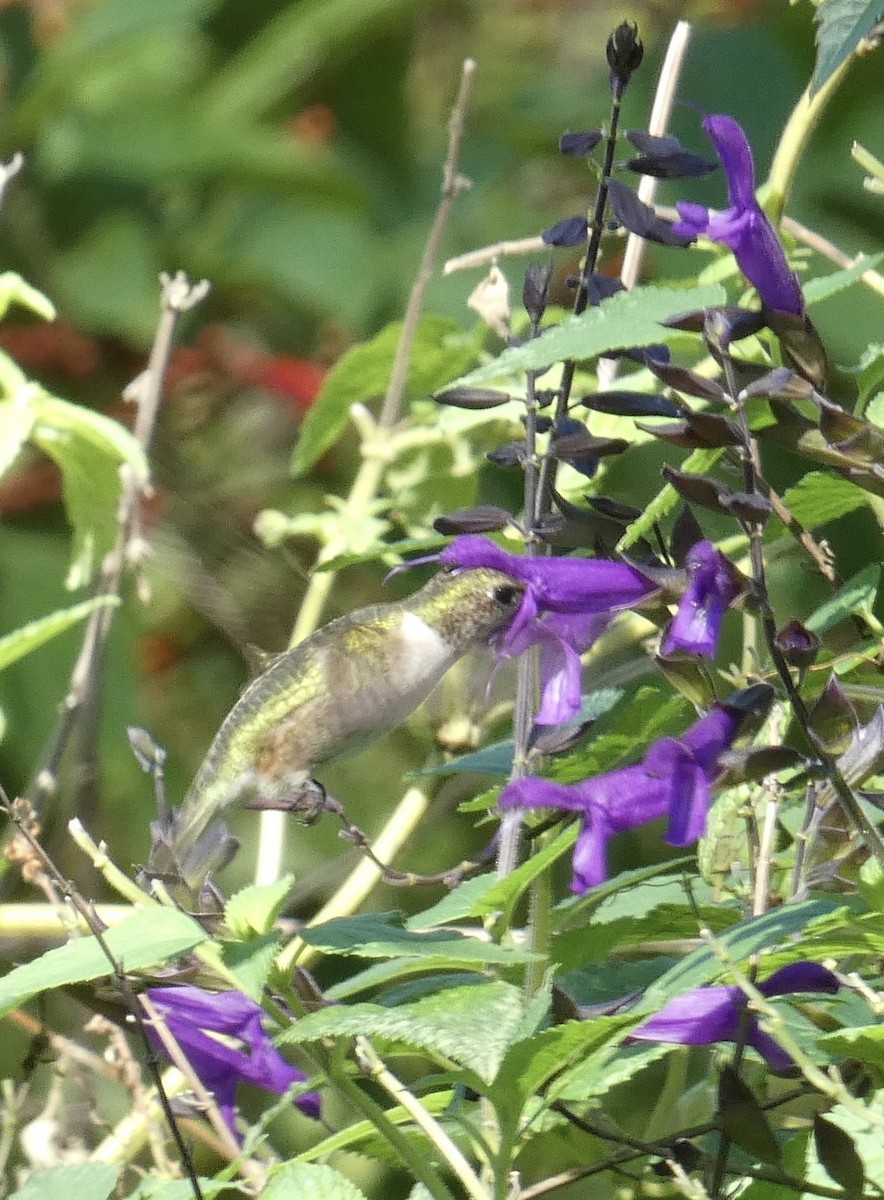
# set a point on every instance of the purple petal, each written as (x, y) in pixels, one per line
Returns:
(689, 793)
(532, 792)
(712, 588)
(774, 1055)
(589, 863)
(698, 1018)
(709, 737)
(192, 1015)
(800, 977)
(629, 797)
(561, 585)
(561, 682)
(732, 147)
(694, 219)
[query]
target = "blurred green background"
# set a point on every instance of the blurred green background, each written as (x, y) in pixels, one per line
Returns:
(290, 152)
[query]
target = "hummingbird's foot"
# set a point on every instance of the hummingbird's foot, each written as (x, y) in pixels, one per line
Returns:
(292, 794)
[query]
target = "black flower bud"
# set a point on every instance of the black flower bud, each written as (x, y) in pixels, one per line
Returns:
(625, 52)
(797, 644)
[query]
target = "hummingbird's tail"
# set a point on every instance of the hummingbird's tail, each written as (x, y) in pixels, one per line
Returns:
(184, 855)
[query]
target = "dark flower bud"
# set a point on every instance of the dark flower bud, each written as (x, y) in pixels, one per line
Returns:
(579, 144)
(625, 52)
(484, 518)
(472, 398)
(569, 232)
(639, 218)
(508, 456)
(797, 644)
(601, 287)
(535, 292)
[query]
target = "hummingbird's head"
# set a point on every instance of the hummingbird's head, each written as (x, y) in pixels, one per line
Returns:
(468, 607)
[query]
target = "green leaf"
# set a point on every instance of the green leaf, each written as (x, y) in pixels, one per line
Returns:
(856, 596)
(841, 26)
(742, 1118)
(698, 462)
(254, 909)
(85, 1180)
(837, 1153)
(867, 1143)
(16, 645)
(310, 1181)
(862, 1042)
(456, 906)
(14, 290)
(152, 1188)
(821, 497)
(473, 1026)
(90, 448)
(382, 935)
(16, 423)
(440, 349)
(148, 937)
(252, 961)
(825, 286)
(626, 319)
(530, 1064)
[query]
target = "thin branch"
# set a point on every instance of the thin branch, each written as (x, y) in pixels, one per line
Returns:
(177, 297)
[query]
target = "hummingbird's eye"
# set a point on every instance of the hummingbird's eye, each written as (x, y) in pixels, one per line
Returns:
(506, 594)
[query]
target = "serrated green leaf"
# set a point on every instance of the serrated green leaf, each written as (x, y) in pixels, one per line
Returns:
(148, 937)
(252, 961)
(841, 26)
(310, 1181)
(698, 462)
(16, 645)
(605, 1069)
(473, 1026)
(863, 1042)
(626, 319)
(459, 904)
(824, 286)
(530, 1064)
(381, 935)
(856, 596)
(253, 909)
(16, 423)
(440, 349)
(15, 290)
(820, 497)
(85, 1180)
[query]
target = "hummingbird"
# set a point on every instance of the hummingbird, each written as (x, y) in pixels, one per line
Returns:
(338, 691)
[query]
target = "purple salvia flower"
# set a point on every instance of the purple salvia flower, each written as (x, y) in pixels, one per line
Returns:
(675, 779)
(714, 1014)
(711, 589)
(193, 1015)
(567, 604)
(743, 227)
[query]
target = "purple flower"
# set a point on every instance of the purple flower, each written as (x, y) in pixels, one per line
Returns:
(711, 588)
(567, 604)
(713, 1014)
(743, 227)
(674, 779)
(193, 1016)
